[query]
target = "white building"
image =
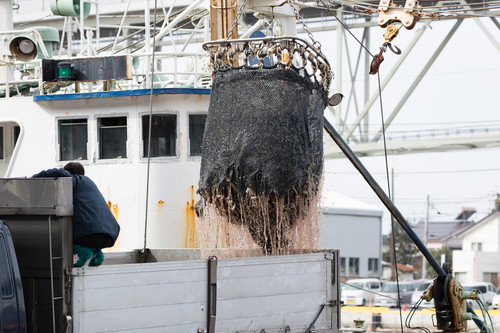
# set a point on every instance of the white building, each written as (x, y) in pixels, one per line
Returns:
(355, 229)
(479, 259)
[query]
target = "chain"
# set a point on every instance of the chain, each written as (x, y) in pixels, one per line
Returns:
(238, 16)
(280, 52)
(299, 18)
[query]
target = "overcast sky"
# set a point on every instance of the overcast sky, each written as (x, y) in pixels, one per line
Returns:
(461, 88)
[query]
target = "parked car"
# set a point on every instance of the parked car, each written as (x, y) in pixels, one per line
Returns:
(485, 290)
(418, 293)
(496, 300)
(388, 296)
(360, 291)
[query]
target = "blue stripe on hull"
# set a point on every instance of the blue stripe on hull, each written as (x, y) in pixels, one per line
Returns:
(137, 92)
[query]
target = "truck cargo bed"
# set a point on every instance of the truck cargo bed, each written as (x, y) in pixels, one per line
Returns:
(274, 294)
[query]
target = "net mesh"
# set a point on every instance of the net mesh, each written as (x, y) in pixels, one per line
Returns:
(262, 161)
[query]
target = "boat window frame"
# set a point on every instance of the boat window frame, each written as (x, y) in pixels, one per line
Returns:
(59, 144)
(143, 140)
(98, 137)
(189, 132)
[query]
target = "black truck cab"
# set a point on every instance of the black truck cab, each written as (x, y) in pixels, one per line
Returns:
(12, 310)
(35, 254)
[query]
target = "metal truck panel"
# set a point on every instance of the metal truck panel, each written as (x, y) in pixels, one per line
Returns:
(41, 196)
(268, 293)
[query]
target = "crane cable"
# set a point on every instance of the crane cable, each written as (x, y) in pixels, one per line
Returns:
(385, 154)
(149, 133)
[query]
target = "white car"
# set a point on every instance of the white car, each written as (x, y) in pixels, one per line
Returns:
(496, 300)
(418, 293)
(485, 290)
(360, 291)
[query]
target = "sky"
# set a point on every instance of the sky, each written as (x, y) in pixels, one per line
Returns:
(462, 88)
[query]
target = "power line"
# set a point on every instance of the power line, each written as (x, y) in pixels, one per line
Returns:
(416, 172)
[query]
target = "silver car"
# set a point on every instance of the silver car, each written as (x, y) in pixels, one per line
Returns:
(388, 296)
(418, 293)
(485, 290)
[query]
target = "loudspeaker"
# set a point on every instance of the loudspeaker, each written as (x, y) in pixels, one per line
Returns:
(23, 48)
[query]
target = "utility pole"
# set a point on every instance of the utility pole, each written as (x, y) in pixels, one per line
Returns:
(426, 227)
(394, 264)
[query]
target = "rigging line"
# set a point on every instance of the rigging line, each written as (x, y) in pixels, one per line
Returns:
(345, 27)
(390, 194)
(464, 9)
(436, 14)
(155, 33)
(416, 172)
(150, 132)
(374, 7)
(142, 30)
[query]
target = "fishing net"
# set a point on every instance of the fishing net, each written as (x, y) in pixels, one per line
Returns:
(262, 157)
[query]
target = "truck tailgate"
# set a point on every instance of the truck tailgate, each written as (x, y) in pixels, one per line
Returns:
(270, 293)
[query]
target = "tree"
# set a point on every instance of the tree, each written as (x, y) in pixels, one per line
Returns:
(404, 247)
(430, 273)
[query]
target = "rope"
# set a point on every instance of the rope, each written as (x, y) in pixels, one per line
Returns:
(393, 224)
(149, 133)
(385, 152)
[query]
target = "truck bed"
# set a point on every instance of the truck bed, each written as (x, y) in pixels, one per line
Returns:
(274, 294)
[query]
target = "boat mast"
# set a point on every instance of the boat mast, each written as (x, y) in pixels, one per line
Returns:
(6, 24)
(222, 16)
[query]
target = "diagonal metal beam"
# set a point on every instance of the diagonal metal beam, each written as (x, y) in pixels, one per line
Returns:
(348, 133)
(488, 34)
(418, 79)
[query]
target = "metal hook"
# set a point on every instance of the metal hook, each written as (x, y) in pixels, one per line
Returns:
(394, 49)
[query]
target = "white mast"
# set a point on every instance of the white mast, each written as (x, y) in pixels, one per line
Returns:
(6, 24)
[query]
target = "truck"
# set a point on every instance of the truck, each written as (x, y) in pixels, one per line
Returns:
(151, 290)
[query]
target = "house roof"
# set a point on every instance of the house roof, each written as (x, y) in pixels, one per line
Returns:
(401, 267)
(334, 203)
(479, 224)
(437, 231)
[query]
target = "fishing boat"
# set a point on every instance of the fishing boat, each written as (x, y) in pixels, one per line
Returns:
(88, 80)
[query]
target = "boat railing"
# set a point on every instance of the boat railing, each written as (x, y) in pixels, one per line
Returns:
(171, 70)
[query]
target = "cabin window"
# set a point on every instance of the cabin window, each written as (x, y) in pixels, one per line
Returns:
(354, 266)
(163, 135)
(6, 283)
(372, 266)
(112, 137)
(1, 143)
(196, 130)
(73, 139)
(17, 131)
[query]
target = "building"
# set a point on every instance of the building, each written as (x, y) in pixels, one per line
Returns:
(355, 229)
(444, 234)
(479, 258)
(405, 272)
(438, 235)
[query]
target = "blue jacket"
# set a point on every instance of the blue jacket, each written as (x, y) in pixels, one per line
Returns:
(91, 214)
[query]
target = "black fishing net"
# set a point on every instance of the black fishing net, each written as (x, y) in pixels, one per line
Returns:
(262, 153)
